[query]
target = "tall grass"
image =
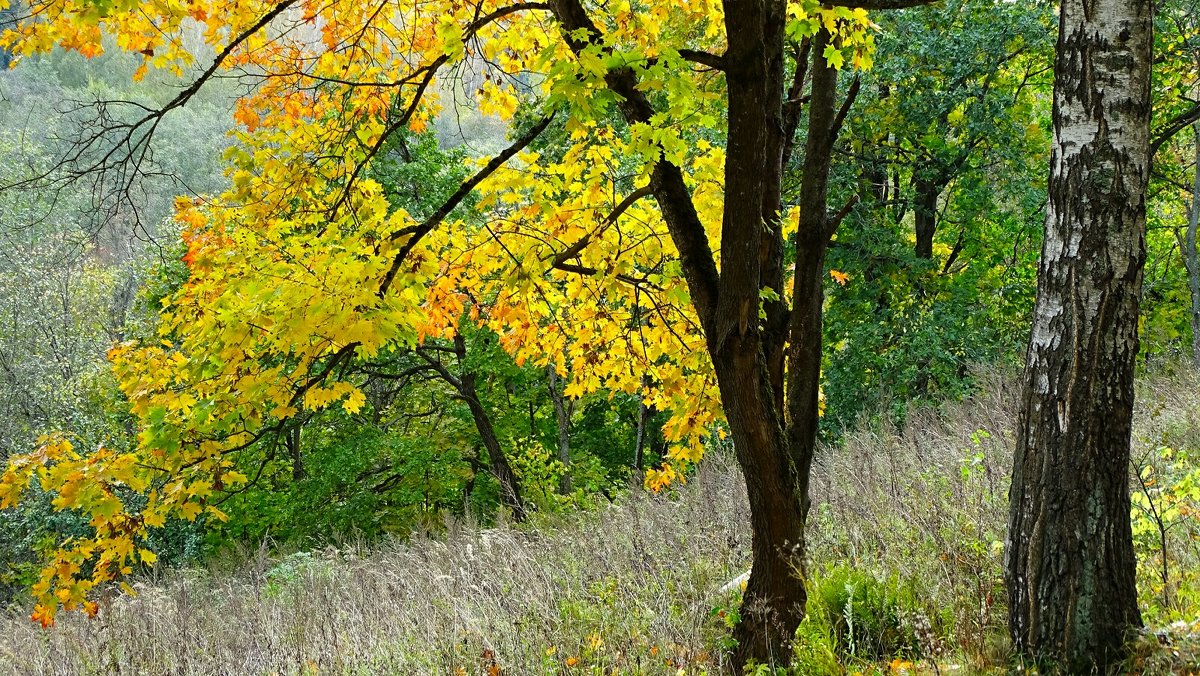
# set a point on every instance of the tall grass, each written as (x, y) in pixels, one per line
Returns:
(905, 539)
(628, 587)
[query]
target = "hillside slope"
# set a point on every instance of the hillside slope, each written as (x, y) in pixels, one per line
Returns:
(905, 539)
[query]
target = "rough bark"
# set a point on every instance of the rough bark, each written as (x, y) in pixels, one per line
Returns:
(748, 356)
(1069, 563)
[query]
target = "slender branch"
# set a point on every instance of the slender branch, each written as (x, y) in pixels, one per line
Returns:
(841, 215)
(441, 370)
(184, 96)
(795, 100)
(573, 250)
(851, 95)
(430, 71)
(1176, 125)
(670, 190)
(416, 232)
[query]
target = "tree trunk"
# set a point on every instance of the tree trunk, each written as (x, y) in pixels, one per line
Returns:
(1069, 565)
(748, 353)
(925, 215)
(510, 487)
(562, 415)
(1191, 257)
(292, 440)
(748, 356)
(645, 412)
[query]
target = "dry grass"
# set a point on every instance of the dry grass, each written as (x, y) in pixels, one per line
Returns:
(627, 587)
(624, 589)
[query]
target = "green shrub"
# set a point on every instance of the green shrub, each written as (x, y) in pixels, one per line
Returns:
(869, 618)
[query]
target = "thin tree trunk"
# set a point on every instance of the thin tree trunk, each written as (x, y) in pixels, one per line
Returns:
(510, 487)
(644, 414)
(925, 215)
(292, 441)
(562, 415)
(1069, 565)
(1191, 256)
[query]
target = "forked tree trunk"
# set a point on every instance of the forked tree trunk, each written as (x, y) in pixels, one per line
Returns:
(773, 435)
(1069, 564)
(748, 356)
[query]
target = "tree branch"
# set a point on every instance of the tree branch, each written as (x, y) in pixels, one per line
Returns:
(713, 61)
(1177, 124)
(670, 190)
(573, 250)
(416, 232)
(795, 100)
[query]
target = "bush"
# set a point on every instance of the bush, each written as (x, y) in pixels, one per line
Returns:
(870, 619)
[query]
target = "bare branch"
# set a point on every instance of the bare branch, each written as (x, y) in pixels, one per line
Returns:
(118, 153)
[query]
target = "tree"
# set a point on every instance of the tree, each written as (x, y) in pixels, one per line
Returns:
(1069, 563)
(660, 235)
(1176, 93)
(959, 93)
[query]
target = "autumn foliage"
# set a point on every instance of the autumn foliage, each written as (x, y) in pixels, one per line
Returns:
(304, 266)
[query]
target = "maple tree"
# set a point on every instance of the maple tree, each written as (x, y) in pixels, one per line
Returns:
(651, 253)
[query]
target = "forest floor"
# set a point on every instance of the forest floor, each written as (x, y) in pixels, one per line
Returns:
(906, 536)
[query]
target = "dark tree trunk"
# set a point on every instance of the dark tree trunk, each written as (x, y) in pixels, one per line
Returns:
(748, 356)
(562, 416)
(773, 435)
(925, 215)
(510, 487)
(644, 414)
(292, 440)
(1069, 564)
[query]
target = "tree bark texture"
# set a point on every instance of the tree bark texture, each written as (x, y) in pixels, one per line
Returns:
(1069, 563)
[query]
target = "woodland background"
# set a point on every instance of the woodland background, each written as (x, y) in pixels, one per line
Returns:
(380, 539)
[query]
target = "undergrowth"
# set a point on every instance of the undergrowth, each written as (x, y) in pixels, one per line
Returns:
(904, 574)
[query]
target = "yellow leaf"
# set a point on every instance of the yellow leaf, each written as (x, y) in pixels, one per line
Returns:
(354, 401)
